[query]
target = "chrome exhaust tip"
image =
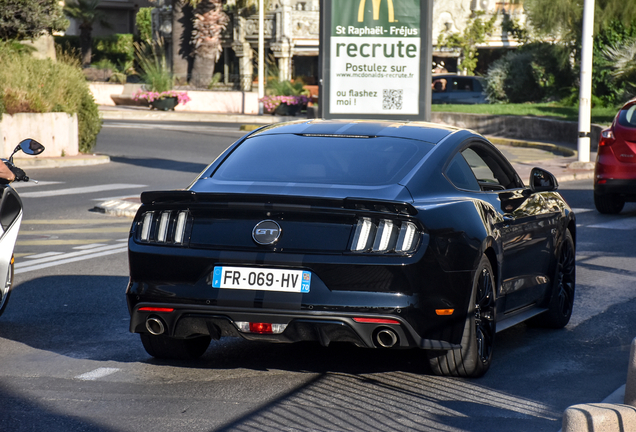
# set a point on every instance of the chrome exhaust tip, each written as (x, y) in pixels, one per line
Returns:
(155, 326)
(386, 338)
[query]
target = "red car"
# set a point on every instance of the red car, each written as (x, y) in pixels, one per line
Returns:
(615, 170)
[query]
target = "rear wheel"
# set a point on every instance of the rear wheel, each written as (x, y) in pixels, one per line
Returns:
(562, 297)
(609, 204)
(474, 356)
(165, 347)
(5, 291)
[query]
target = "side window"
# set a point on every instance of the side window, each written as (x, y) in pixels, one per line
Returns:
(463, 84)
(489, 170)
(460, 174)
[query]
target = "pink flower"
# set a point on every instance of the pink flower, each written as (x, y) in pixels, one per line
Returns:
(182, 97)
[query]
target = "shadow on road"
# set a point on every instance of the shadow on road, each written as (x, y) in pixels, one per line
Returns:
(162, 164)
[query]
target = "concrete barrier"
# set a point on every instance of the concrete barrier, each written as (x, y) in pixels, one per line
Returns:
(58, 132)
(600, 417)
(520, 127)
(219, 102)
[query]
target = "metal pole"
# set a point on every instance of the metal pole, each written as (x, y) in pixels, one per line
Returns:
(585, 95)
(261, 56)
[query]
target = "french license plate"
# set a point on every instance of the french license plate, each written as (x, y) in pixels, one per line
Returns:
(261, 279)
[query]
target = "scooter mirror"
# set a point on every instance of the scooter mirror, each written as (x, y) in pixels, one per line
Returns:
(31, 147)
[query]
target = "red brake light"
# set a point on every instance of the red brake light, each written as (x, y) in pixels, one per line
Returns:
(155, 309)
(376, 320)
(607, 138)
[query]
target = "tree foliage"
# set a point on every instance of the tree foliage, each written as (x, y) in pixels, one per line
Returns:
(475, 33)
(28, 19)
(87, 13)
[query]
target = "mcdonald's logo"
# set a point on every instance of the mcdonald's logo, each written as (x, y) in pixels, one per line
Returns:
(376, 10)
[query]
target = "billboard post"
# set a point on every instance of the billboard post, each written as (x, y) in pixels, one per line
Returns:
(376, 59)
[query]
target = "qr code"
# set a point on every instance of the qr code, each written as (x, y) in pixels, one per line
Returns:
(392, 99)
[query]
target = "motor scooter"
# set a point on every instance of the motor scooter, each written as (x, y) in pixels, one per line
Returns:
(10, 219)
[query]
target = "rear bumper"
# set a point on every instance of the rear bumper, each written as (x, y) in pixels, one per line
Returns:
(626, 188)
(192, 321)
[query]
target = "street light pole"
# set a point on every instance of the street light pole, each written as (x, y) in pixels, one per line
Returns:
(261, 56)
(585, 94)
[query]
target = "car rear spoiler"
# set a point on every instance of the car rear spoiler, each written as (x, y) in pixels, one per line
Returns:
(276, 202)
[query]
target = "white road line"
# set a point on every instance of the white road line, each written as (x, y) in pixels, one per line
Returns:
(89, 246)
(43, 255)
(70, 260)
(620, 224)
(80, 190)
(66, 255)
(97, 374)
(20, 185)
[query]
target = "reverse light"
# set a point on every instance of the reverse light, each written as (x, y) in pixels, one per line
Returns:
(260, 328)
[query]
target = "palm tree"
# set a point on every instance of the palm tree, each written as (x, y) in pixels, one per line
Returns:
(86, 13)
(209, 23)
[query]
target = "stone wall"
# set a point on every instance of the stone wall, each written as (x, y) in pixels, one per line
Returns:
(58, 132)
(518, 127)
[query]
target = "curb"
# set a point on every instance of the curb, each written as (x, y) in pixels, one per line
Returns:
(59, 162)
(189, 116)
(552, 148)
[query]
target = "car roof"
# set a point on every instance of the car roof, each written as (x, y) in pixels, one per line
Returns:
(422, 131)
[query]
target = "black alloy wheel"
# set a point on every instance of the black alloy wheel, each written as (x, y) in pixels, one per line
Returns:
(475, 355)
(609, 203)
(165, 347)
(563, 287)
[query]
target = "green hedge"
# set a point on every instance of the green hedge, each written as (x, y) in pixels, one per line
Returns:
(117, 48)
(31, 85)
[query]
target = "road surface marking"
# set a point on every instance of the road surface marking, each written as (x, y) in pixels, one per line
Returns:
(97, 374)
(116, 229)
(38, 264)
(80, 190)
(619, 224)
(89, 246)
(74, 221)
(58, 242)
(44, 255)
(20, 185)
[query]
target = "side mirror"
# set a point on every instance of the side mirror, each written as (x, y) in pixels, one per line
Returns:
(30, 147)
(542, 181)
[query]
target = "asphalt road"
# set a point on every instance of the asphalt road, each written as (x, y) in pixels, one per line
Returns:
(68, 362)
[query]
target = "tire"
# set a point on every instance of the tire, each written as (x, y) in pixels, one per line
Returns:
(564, 285)
(473, 358)
(164, 347)
(608, 204)
(5, 292)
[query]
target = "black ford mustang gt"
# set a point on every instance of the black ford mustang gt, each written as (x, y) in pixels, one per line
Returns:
(382, 234)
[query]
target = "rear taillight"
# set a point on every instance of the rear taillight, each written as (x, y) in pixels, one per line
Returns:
(385, 236)
(607, 138)
(166, 226)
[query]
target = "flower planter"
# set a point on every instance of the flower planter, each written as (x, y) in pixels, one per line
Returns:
(164, 104)
(287, 110)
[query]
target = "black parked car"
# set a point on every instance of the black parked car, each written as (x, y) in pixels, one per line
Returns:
(458, 89)
(382, 234)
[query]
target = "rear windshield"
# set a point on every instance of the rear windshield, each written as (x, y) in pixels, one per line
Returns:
(627, 117)
(328, 160)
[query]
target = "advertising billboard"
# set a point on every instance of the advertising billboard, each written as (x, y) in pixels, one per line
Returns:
(376, 59)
